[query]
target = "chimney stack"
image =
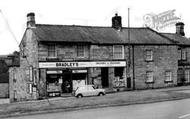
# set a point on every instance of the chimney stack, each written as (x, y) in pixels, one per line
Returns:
(180, 28)
(31, 20)
(116, 22)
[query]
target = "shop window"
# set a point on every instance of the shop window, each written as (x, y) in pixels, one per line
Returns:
(119, 72)
(80, 50)
(149, 55)
(168, 75)
(119, 80)
(118, 52)
(149, 77)
(51, 50)
(79, 79)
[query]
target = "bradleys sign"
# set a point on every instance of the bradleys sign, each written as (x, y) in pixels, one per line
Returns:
(82, 64)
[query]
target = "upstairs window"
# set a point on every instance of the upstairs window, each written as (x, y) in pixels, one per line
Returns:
(168, 76)
(149, 55)
(80, 51)
(149, 77)
(118, 52)
(51, 50)
(183, 54)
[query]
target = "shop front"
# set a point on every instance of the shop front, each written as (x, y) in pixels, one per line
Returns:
(65, 77)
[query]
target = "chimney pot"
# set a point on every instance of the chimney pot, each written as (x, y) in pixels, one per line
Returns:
(117, 22)
(180, 28)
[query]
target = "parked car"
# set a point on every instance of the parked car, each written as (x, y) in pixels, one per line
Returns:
(88, 90)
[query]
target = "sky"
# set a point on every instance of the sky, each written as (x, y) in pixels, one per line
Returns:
(81, 12)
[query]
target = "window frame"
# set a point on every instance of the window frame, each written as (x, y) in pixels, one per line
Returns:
(183, 54)
(80, 50)
(52, 50)
(168, 78)
(147, 55)
(117, 53)
(149, 73)
(187, 75)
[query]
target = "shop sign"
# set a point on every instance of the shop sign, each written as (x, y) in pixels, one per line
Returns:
(79, 71)
(54, 72)
(82, 64)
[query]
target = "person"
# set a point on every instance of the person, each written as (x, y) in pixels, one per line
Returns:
(67, 86)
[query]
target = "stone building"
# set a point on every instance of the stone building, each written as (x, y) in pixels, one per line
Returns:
(56, 59)
(183, 53)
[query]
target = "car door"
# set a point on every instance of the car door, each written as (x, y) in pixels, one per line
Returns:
(91, 90)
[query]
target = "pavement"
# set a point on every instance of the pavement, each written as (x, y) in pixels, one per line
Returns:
(65, 104)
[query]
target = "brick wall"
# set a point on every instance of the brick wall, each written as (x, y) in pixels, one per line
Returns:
(164, 59)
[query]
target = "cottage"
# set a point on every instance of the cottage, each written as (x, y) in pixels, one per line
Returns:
(56, 59)
(183, 53)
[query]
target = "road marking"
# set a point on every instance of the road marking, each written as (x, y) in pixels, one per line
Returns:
(183, 116)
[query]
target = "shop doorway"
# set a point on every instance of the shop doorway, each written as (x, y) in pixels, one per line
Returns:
(104, 74)
(66, 81)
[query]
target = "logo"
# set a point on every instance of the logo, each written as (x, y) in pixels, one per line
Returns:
(162, 20)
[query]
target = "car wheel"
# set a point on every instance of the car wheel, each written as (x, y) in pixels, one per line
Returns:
(101, 94)
(79, 96)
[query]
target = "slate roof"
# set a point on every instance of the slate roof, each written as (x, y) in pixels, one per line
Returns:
(181, 40)
(98, 35)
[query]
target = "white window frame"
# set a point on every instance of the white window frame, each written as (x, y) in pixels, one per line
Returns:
(81, 51)
(31, 73)
(168, 76)
(149, 55)
(149, 77)
(29, 87)
(118, 54)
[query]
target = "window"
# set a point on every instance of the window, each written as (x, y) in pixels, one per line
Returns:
(118, 52)
(29, 88)
(183, 54)
(187, 76)
(168, 76)
(80, 51)
(149, 77)
(51, 50)
(149, 55)
(31, 73)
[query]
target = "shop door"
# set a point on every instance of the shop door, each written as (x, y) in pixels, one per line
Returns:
(104, 75)
(67, 82)
(129, 82)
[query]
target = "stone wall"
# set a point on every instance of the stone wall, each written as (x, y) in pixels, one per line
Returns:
(19, 88)
(164, 59)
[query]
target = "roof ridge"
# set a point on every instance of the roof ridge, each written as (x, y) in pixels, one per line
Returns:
(89, 26)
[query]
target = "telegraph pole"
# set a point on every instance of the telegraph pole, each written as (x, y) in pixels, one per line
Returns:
(131, 52)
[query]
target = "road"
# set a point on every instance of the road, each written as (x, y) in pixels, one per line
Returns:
(179, 109)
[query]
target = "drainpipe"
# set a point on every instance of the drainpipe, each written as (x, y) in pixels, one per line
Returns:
(133, 67)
